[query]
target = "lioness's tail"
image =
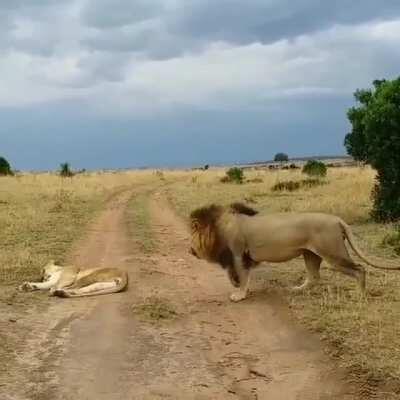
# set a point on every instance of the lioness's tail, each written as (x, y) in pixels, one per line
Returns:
(350, 238)
(95, 289)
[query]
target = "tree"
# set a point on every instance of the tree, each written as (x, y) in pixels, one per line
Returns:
(5, 168)
(281, 157)
(65, 170)
(375, 139)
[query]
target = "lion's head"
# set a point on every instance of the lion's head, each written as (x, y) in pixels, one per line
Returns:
(206, 240)
(49, 269)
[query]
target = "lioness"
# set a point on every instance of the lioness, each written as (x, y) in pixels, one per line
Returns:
(238, 239)
(71, 281)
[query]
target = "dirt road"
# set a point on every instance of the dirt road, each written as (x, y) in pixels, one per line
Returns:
(107, 348)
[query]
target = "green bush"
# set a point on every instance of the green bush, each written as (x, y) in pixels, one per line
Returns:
(5, 168)
(375, 140)
(65, 170)
(233, 175)
(315, 168)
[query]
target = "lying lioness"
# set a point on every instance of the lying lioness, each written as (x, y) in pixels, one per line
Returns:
(238, 239)
(71, 281)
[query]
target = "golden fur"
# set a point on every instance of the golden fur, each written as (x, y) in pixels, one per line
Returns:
(238, 239)
(71, 281)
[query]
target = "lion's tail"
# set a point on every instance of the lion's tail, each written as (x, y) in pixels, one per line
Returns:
(350, 238)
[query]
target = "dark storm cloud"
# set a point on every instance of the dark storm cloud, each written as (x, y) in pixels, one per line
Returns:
(186, 25)
(115, 83)
(266, 21)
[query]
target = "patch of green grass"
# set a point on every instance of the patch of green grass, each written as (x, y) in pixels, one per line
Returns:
(139, 224)
(155, 309)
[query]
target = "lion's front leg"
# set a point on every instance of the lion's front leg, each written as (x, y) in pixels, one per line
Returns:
(45, 285)
(31, 286)
(244, 279)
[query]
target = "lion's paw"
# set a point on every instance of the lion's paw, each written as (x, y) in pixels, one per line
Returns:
(235, 297)
(26, 287)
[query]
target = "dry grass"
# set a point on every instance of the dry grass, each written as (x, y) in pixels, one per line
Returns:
(363, 335)
(42, 214)
(155, 309)
(347, 192)
(138, 221)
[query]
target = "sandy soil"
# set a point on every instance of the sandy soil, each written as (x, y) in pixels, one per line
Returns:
(104, 348)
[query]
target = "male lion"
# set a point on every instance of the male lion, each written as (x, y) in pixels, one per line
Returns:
(71, 281)
(238, 239)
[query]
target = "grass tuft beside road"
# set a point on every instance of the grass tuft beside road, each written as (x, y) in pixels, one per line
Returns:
(139, 225)
(155, 309)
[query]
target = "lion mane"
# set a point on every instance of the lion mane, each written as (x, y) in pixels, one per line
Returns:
(209, 241)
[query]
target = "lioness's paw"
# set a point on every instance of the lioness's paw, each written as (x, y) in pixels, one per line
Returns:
(237, 296)
(26, 287)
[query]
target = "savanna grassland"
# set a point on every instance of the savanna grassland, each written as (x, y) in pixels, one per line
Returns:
(42, 216)
(364, 336)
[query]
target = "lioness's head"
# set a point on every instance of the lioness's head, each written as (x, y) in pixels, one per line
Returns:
(49, 269)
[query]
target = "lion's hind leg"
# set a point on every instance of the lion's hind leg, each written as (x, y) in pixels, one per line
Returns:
(93, 289)
(331, 247)
(350, 268)
(343, 263)
(313, 264)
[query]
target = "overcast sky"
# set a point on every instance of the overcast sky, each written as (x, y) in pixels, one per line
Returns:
(125, 83)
